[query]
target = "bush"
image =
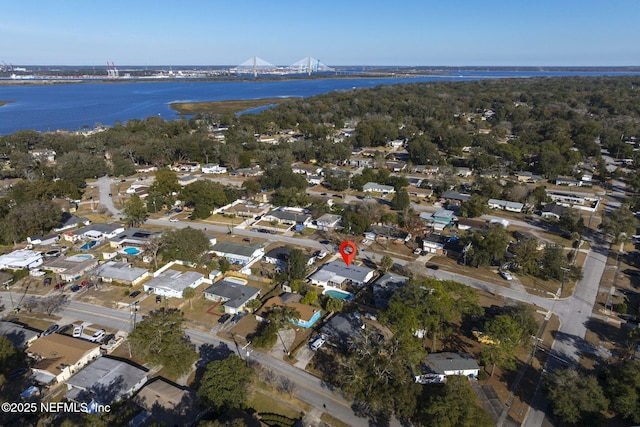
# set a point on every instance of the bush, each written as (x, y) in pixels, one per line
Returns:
(621, 308)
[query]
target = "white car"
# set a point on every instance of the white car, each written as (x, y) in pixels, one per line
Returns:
(173, 220)
(99, 334)
(77, 331)
(506, 275)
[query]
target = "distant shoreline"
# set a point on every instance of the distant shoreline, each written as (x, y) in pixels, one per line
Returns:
(223, 107)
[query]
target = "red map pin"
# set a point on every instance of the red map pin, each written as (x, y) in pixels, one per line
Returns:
(348, 251)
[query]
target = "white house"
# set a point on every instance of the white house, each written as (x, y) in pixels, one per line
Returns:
(288, 216)
(233, 292)
(337, 274)
(237, 253)
(505, 205)
(43, 240)
(211, 168)
(172, 283)
(438, 366)
(328, 222)
(21, 258)
(374, 187)
(121, 272)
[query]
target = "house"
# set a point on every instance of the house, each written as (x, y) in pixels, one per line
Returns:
(568, 181)
(439, 220)
(329, 222)
(185, 167)
(43, 156)
(172, 283)
(244, 208)
(20, 336)
(337, 274)
(388, 232)
(465, 224)
(58, 356)
(70, 221)
(280, 255)
(43, 240)
(237, 253)
(396, 143)
(134, 237)
(211, 168)
(422, 193)
(71, 268)
(552, 211)
(464, 172)
(105, 381)
(165, 403)
(98, 231)
(505, 205)
(361, 162)
(20, 259)
(308, 315)
(121, 272)
(233, 292)
(438, 366)
(385, 286)
(455, 196)
(374, 187)
(185, 180)
(395, 166)
(434, 244)
(526, 176)
(343, 328)
(307, 170)
(289, 216)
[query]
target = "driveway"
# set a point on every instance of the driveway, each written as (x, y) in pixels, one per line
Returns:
(106, 200)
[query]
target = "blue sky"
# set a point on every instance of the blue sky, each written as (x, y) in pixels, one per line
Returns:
(337, 32)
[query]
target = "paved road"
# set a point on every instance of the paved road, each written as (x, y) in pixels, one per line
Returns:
(308, 388)
(104, 186)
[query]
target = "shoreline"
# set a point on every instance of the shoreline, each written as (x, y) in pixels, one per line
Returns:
(222, 107)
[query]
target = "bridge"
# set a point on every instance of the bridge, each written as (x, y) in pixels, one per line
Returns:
(258, 66)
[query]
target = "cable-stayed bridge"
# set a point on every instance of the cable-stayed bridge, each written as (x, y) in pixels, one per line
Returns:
(258, 66)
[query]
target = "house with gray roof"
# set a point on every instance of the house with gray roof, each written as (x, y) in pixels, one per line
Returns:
(20, 336)
(374, 187)
(233, 292)
(120, 272)
(70, 268)
(505, 205)
(172, 283)
(99, 231)
(338, 275)
(132, 236)
(105, 381)
(438, 366)
(288, 216)
(384, 287)
(70, 221)
(237, 253)
(343, 328)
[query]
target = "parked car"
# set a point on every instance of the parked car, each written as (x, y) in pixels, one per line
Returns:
(77, 331)
(51, 329)
(315, 345)
(173, 220)
(75, 288)
(505, 275)
(47, 281)
(17, 373)
(224, 318)
(85, 283)
(60, 285)
(158, 299)
(107, 338)
(134, 294)
(417, 251)
(99, 334)
(433, 266)
(64, 329)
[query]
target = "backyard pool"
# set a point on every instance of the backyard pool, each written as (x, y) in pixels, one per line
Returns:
(89, 245)
(334, 293)
(131, 251)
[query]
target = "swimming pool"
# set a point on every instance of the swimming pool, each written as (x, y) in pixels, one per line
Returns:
(89, 245)
(131, 251)
(334, 293)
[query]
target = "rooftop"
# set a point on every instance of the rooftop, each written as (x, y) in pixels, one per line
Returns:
(58, 350)
(174, 280)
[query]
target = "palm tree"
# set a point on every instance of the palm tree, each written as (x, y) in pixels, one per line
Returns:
(188, 294)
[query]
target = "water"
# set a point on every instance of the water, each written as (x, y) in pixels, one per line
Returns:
(74, 106)
(339, 294)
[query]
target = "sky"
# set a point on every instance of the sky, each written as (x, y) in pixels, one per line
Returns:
(336, 32)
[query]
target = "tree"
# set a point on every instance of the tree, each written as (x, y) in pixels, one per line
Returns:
(475, 206)
(189, 293)
(203, 197)
(225, 384)
(135, 211)
(619, 224)
(185, 244)
(296, 265)
(622, 387)
(571, 221)
(454, 405)
(334, 304)
(386, 262)
(400, 200)
(160, 340)
(506, 334)
(52, 304)
(309, 298)
(575, 397)
(487, 245)
(9, 357)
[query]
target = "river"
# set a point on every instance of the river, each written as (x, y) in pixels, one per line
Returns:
(74, 106)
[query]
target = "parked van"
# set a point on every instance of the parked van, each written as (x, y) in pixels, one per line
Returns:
(317, 344)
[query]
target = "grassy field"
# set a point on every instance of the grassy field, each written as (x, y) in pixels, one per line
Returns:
(223, 107)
